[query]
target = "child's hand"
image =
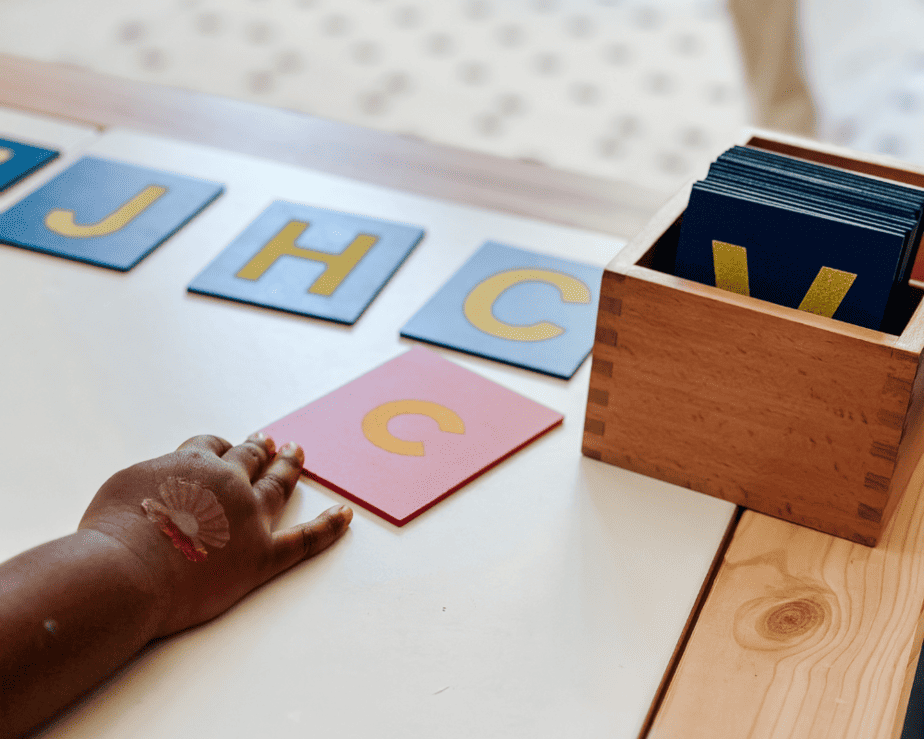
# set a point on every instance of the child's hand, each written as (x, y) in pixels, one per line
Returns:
(196, 569)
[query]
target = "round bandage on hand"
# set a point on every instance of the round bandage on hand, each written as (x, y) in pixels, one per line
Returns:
(190, 515)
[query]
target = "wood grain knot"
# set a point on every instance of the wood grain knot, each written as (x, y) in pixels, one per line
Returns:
(793, 619)
(772, 623)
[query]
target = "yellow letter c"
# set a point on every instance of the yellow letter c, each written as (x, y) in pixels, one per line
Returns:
(5, 154)
(375, 424)
(480, 302)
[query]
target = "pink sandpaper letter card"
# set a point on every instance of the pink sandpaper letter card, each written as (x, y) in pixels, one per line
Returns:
(402, 437)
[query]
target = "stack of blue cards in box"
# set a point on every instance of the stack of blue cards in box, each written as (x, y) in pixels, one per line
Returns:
(803, 235)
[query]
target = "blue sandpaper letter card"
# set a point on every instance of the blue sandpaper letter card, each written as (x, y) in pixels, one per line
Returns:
(18, 160)
(309, 261)
(515, 306)
(105, 213)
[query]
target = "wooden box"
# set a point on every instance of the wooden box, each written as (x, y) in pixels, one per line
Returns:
(795, 415)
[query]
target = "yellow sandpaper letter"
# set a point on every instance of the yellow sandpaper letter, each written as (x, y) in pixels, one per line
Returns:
(62, 221)
(375, 424)
(828, 290)
(283, 244)
(824, 296)
(5, 154)
(480, 303)
(731, 267)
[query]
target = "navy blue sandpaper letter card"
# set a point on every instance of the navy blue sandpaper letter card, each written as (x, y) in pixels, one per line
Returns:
(802, 235)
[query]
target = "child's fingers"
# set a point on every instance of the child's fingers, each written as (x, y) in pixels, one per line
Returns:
(275, 485)
(291, 546)
(207, 443)
(252, 455)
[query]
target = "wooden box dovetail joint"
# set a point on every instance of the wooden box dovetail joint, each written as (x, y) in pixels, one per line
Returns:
(794, 415)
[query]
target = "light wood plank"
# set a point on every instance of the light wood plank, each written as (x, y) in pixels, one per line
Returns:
(804, 635)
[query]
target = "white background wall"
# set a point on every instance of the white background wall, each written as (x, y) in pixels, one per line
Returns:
(639, 91)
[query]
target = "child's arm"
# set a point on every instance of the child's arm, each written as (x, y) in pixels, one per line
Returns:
(165, 545)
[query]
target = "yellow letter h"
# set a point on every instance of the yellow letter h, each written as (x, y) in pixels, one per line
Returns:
(283, 244)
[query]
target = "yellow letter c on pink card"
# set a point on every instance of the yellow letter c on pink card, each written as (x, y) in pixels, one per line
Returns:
(350, 449)
(480, 302)
(375, 424)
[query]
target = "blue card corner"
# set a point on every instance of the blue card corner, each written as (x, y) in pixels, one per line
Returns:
(18, 160)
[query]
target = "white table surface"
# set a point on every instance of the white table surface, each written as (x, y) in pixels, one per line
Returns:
(544, 599)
